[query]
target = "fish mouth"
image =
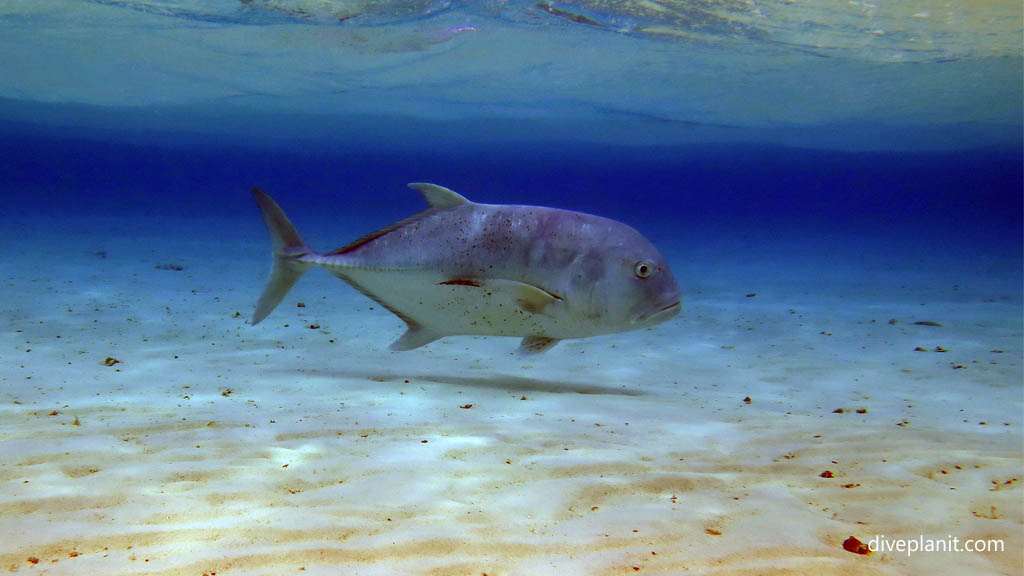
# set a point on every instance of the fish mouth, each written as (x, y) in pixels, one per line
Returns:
(662, 314)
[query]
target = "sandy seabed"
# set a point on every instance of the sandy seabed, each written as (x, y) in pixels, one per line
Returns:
(146, 428)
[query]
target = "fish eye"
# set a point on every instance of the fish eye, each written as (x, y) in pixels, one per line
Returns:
(643, 269)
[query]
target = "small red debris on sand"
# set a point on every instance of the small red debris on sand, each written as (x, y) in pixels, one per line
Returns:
(839, 411)
(854, 545)
(827, 474)
(712, 532)
(747, 400)
(466, 406)
(110, 361)
(1000, 485)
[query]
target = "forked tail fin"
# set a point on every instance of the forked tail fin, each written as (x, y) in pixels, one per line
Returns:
(288, 250)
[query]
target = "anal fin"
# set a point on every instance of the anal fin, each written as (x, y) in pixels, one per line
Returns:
(536, 344)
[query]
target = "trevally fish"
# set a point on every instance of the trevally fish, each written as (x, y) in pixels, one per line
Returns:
(462, 268)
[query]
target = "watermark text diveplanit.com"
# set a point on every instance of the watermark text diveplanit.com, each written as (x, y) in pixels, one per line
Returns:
(881, 543)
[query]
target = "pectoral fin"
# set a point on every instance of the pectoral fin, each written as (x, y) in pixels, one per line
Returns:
(530, 298)
(534, 299)
(535, 345)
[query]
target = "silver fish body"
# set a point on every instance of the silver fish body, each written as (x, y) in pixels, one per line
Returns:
(462, 268)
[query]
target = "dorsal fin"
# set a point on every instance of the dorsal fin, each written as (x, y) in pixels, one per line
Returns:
(438, 196)
(382, 232)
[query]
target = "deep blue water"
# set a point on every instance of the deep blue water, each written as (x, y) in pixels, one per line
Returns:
(869, 226)
(970, 200)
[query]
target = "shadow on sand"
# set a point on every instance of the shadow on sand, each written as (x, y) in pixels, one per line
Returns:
(496, 381)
